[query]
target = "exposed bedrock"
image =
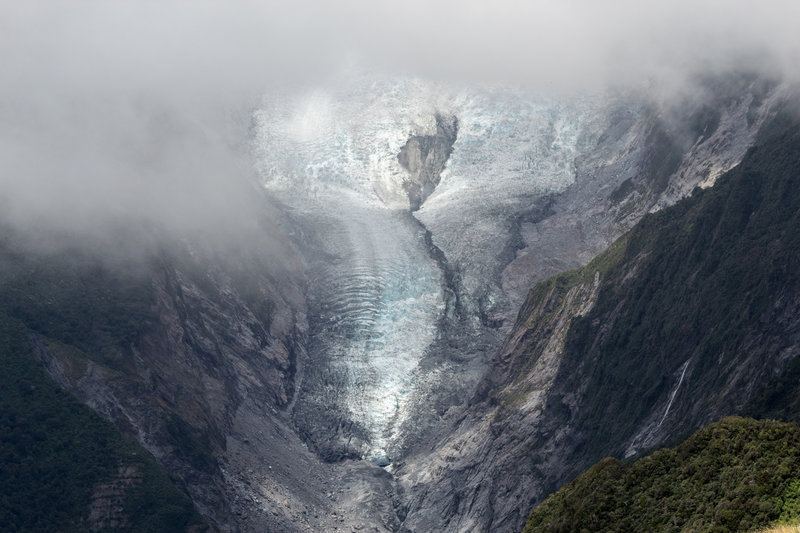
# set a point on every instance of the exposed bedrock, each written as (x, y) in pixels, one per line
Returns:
(425, 156)
(363, 371)
(518, 437)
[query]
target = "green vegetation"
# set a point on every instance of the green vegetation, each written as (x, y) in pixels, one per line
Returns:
(714, 280)
(560, 284)
(76, 299)
(735, 475)
(780, 399)
(55, 452)
(707, 290)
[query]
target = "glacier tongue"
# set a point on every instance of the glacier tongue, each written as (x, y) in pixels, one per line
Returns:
(377, 293)
(376, 303)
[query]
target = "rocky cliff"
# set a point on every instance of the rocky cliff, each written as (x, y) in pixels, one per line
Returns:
(689, 317)
(64, 467)
(425, 156)
(167, 339)
(308, 371)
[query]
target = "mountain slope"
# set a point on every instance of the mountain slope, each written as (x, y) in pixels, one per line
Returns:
(687, 318)
(425, 213)
(164, 338)
(706, 298)
(693, 322)
(67, 469)
(261, 365)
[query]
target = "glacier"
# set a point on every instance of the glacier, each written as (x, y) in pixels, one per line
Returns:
(385, 280)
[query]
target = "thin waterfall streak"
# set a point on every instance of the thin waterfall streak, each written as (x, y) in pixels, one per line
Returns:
(672, 398)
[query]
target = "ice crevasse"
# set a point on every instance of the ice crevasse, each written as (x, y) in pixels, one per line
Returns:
(376, 293)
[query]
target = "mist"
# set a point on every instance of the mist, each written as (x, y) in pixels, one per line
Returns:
(118, 111)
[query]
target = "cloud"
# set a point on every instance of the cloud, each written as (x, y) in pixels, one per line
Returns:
(110, 111)
(140, 109)
(570, 45)
(218, 49)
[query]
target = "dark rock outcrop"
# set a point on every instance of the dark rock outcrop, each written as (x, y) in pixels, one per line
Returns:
(170, 341)
(204, 359)
(686, 319)
(425, 156)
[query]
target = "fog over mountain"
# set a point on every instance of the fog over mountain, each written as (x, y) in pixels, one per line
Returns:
(140, 108)
(315, 234)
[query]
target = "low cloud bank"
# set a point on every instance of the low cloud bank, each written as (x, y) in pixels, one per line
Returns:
(120, 110)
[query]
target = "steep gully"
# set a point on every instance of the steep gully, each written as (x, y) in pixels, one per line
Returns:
(417, 222)
(635, 164)
(499, 456)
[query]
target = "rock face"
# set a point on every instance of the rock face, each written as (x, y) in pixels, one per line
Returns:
(530, 188)
(107, 510)
(477, 476)
(205, 344)
(425, 156)
(312, 374)
(214, 328)
(661, 334)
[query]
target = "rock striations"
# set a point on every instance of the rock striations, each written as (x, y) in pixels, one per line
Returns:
(370, 356)
(689, 317)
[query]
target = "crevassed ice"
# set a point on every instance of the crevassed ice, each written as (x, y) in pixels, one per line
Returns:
(331, 154)
(379, 300)
(378, 296)
(511, 149)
